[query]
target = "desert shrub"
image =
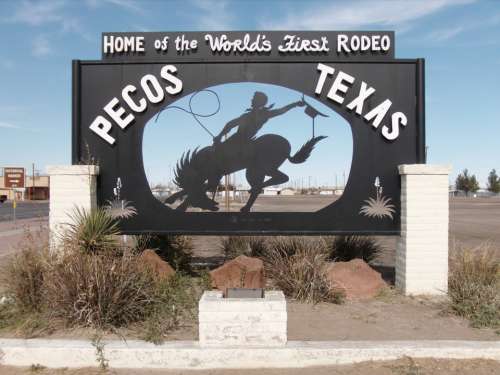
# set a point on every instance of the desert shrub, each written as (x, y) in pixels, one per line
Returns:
(24, 274)
(7, 313)
(298, 267)
(474, 286)
(75, 287)
(175, 301)
(98, 289)
(91, 230)
(251, 246)
(176, 250)
(139, 243)
(292, 245)
(346, 248)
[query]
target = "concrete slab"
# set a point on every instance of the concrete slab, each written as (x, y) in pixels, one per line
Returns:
(184, 355)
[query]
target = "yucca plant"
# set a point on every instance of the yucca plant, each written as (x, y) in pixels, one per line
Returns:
(251, 246)
(91, 231)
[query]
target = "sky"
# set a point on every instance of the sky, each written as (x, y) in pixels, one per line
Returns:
(327, 165)
(459, 39)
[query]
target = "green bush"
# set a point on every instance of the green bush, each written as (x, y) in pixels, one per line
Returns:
(347, 248)
(474, 286)
(298, 267)
(251, 246)
(91, 230)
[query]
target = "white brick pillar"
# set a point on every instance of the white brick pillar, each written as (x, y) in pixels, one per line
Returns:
(70, 186)
(422, 248)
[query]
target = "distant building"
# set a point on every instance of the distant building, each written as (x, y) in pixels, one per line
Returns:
(34, 189)
(326, 192)
(271, 190)
(287, 191)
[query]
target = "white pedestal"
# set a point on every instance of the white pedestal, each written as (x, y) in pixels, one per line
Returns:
(422, 248)
(242, 321)
(70, 186)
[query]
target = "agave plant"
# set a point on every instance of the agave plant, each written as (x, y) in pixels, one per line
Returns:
(120, 209)
(380, 206)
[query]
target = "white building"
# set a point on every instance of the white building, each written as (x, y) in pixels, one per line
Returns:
(287, 191)
(271, 190)
(326, 192)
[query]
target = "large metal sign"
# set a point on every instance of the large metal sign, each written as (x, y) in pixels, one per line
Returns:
(14, 177)
(354, 74)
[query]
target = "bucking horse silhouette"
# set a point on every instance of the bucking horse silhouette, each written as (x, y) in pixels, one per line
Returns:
(200, 171)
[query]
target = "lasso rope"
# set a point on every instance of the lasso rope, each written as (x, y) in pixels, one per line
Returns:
(193, 113)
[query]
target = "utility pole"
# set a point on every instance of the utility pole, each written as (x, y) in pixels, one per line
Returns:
(32, 181)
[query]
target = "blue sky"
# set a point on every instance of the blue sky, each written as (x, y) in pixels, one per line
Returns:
(326, 166)
(460, 41)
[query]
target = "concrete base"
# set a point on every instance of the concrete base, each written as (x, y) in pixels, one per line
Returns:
(242, 321)
(185, 355)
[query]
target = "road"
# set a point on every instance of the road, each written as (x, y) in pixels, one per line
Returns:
(24, 210)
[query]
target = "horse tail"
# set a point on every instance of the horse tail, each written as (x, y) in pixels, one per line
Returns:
(305, 151)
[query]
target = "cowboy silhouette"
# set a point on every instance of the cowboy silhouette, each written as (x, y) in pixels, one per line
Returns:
(199, 171)
(253, 120)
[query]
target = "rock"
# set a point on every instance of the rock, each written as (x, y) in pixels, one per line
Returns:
(356, 278)
(241, 272)
(152, 261)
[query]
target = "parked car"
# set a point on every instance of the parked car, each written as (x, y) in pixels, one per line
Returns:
(3, 198)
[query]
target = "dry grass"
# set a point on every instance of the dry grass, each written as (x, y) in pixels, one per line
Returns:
(474, 286)
(24, 274)
(298, 267)
(103, 290)
(98, 290)
(251, 246)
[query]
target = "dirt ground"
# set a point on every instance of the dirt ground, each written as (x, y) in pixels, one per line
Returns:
(404, 366)
(389, 317)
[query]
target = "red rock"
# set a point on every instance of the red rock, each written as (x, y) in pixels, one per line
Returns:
(153, 262)
(356, 278)
(241, 272)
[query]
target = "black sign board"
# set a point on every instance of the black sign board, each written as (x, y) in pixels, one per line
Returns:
(379, 97)
(248, 46)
